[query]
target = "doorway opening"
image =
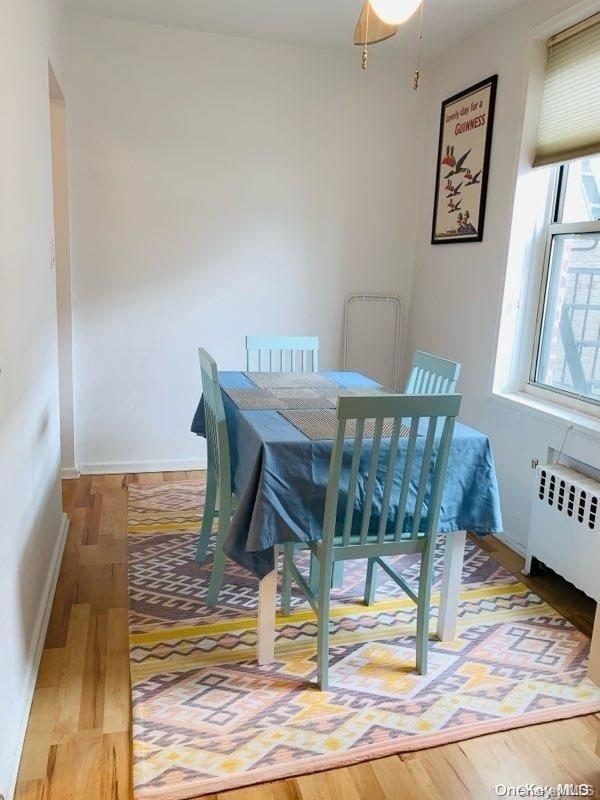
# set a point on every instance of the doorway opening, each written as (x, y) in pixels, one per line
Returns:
(62, 266)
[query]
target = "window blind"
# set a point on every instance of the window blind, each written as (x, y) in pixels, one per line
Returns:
(570, 118)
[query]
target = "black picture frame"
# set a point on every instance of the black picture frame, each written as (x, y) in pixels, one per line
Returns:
(492, 83)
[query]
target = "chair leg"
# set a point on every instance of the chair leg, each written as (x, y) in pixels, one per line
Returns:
(208, 517)
(218, 569)
(323, 625)
(423, 606)
(313, 579)
(337, 581)
(286, 580)
(371, 582)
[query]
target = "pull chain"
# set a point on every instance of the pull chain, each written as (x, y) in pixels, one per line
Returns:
(417, 73)
(365, 52)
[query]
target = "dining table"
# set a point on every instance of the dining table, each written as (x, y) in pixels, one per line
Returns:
(280, 430)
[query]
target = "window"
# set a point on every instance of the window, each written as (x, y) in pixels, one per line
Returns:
(548, 352)
(567, 350)
(566, 357)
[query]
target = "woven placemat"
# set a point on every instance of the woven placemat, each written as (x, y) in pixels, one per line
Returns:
(254, 399)
(304, 397)
(320, 424)
(289, 380)
(257, 399)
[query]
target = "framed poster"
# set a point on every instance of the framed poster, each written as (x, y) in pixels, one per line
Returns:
(463, 163)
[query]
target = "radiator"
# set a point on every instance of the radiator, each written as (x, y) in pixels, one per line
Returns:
(564, 529)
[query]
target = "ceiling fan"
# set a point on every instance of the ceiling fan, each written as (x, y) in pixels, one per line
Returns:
(380, 19)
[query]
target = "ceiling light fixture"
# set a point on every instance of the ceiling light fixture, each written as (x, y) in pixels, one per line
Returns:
(379, 20)
(394, 12)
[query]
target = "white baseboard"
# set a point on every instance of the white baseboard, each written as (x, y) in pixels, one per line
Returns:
(513, 543)
(117, 467)
(67, 473)
(13, 743)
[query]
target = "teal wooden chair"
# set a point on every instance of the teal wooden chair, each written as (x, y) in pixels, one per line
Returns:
(342, 539)
(219, 498)
(431, 375)
(282, 353)
(287, 354)
(428, 375)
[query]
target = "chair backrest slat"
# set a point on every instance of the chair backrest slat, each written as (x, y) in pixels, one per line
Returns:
(399, 468)
(406, 470)
(431, 374)
(370, 489)
(353, 481)
(332, 497)
(423, 476)
(217, 440)
(425, 388)
(439, 476)
(291, 352)
(389, 480)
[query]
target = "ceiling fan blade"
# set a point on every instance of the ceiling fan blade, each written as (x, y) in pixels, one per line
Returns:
(378, 30)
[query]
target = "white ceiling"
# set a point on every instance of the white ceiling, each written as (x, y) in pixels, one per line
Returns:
(320, 23)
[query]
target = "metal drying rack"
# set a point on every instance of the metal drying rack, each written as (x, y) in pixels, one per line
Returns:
(377, 297)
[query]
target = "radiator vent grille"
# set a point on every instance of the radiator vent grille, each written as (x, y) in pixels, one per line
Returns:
(570, 493)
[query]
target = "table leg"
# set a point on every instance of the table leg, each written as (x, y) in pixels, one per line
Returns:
(451, 580)
(265, 633)
(594, 661)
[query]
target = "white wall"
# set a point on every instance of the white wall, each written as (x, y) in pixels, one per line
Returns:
(30, 506)
(458, 288)
(220, 187)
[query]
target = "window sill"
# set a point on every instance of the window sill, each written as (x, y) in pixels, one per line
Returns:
(553, 413)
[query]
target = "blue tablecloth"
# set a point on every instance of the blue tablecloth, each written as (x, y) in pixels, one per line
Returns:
(280, 478)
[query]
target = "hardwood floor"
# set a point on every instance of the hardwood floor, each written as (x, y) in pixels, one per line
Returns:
(77, 744)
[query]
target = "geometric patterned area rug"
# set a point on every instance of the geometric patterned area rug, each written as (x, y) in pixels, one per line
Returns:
(207, 718)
